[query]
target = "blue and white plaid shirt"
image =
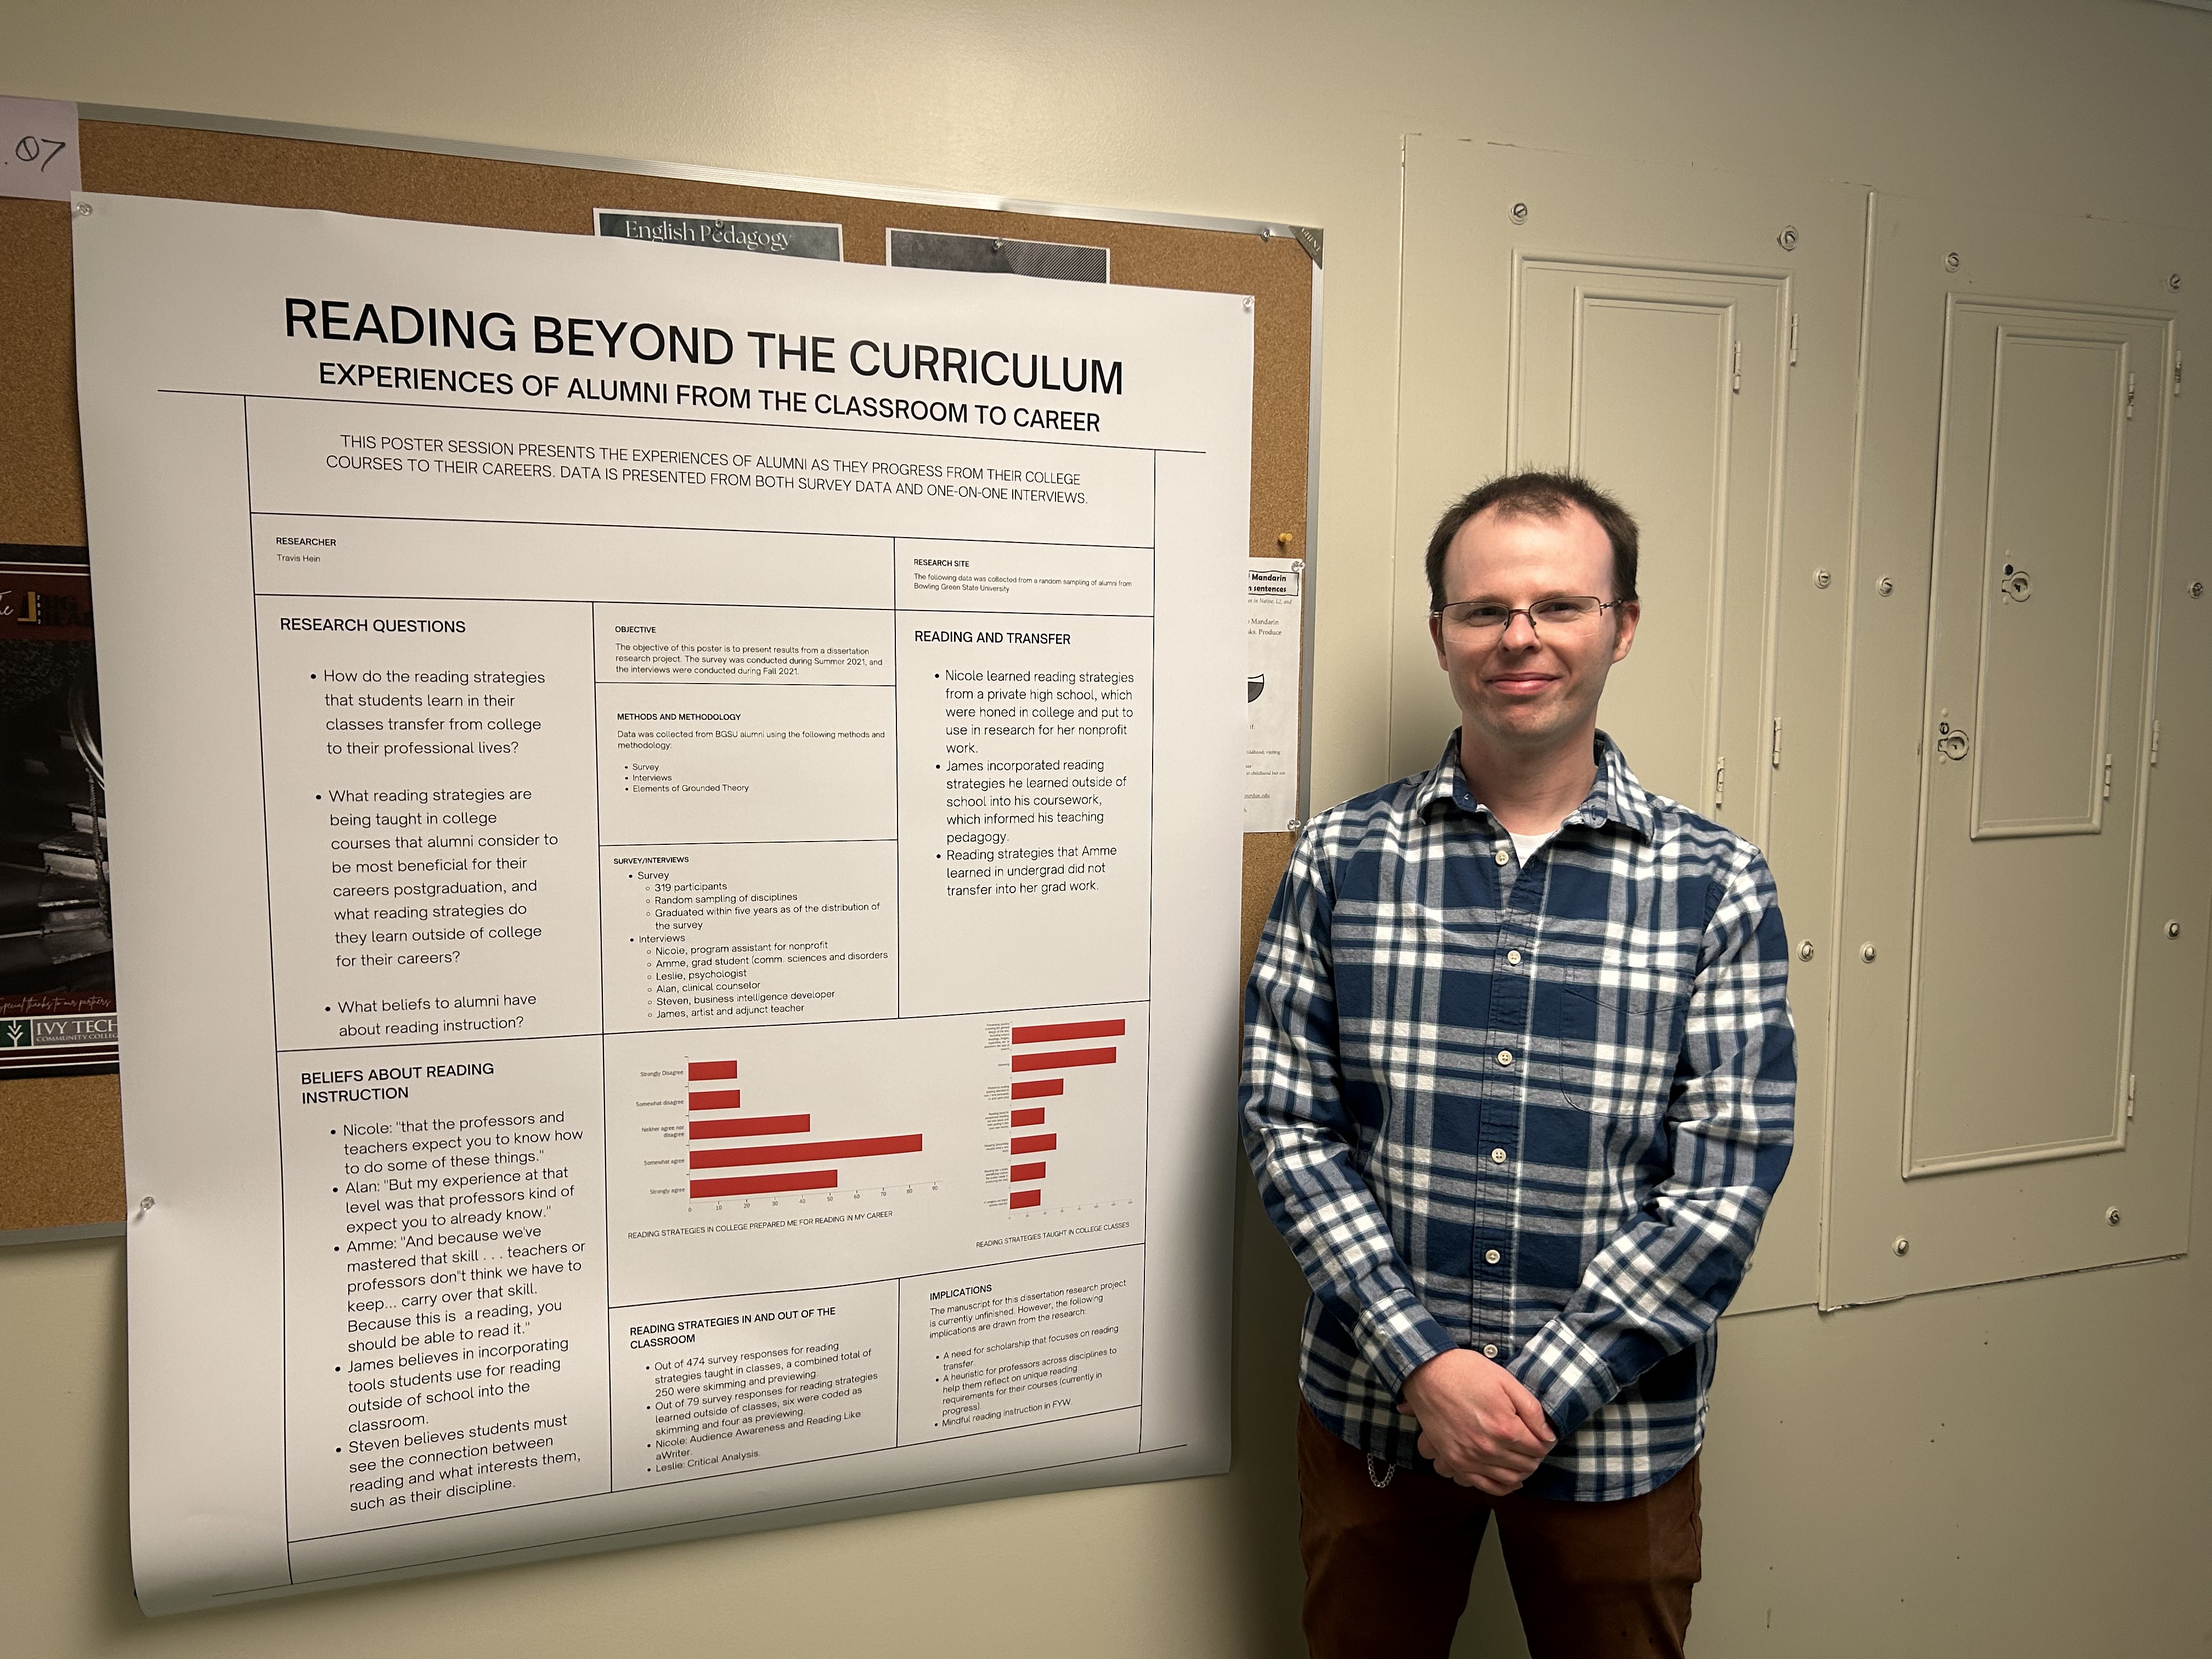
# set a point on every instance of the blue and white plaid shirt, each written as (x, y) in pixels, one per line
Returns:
(1537, 1112)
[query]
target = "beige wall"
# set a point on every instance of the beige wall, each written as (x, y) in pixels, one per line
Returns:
(2025, 1470)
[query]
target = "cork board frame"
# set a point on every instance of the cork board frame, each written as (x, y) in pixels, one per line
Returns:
(61, 1138)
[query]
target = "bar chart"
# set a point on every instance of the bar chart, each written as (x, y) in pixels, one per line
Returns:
(716, 1116)
(1040, 1061)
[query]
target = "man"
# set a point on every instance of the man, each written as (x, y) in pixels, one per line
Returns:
(1518, 1079)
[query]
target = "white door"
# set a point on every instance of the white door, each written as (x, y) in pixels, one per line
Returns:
(2018, 1030)
(1688, 340)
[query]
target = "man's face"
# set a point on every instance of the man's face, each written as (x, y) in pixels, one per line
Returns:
(1523, 687)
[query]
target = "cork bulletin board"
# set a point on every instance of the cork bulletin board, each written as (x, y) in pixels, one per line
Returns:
(61, 1138)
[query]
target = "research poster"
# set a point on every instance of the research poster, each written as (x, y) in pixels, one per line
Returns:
(675, 829)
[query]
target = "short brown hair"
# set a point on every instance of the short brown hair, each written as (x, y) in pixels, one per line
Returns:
(1539, 495)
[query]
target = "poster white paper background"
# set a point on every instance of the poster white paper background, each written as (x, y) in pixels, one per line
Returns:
(285, 612)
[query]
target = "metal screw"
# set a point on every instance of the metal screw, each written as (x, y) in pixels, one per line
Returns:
(1821, 579)
(1519, 213)
(1805, 950)
(2111, 1218)
(1866, 953)
(1788, 238)
(1885, 588)
(1902, 1246)
(2174, 282)
(1950, 262)
(2173, 930)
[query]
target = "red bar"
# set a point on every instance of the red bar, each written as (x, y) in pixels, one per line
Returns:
(1026, 1172)
(1071, 1033)
(722, 1157)
(805, 1180)
(728, 1128)
(1028, 1118)
(705, 1071)
(1060, 1059)
(1030, 1088)
(714, 1100)
(1027, 1200)
(1021, 1144)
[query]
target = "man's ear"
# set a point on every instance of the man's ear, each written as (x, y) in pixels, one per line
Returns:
(1629, 612)
(1437, 638)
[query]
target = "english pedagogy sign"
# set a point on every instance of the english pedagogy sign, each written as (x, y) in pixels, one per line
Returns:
(676, 824)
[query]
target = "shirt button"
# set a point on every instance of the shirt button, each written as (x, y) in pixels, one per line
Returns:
(1501, 856)
(1504, 1057)
(1513, 956)
(1498, 1155)
(1490, 1351)
(1491, 1257)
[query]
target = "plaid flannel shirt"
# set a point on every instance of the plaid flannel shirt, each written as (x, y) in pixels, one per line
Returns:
(1538, 1112)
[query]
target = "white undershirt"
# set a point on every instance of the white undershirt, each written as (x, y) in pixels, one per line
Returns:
(1525, 847)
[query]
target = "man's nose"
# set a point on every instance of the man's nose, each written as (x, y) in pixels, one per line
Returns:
(1520, 633)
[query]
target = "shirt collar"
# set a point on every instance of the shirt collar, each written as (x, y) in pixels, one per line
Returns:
(1615, 797)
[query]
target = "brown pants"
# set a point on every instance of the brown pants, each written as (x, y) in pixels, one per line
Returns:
(1387, 1570)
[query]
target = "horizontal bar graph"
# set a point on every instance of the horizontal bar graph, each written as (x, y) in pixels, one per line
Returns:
(1075, 1031)
(1026, 1172)
(1021, 1144)
(1060, 1059)
(1025, 1201)
(722, 1096)
(1029, 1116)
(1032, 1088)
(806, 1151)
(727, 1128)
(801, 1181)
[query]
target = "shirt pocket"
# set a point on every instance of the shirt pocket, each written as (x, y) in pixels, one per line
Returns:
(1606, 1038)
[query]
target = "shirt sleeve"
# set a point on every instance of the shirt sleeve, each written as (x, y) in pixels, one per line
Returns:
(1664, 1282)
(1300, 1139)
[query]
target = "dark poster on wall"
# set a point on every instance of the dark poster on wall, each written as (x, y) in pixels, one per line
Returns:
(57, 955)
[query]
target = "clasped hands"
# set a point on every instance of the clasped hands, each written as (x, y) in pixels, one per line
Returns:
(1479, 1426)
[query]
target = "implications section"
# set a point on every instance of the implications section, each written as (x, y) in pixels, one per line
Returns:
(750, 1382)
(708, 935)
(1025, 1342)
(740, 764)
(428, 777)
(445, 1281)
(1025, 806)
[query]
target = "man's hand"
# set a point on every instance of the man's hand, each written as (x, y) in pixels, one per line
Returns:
(1478, 1425)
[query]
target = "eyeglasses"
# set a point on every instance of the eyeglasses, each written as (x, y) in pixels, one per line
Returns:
(1563, 612)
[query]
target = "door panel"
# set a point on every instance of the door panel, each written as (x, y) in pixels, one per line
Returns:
(1689, 340)
(2018, 1038)
(2047, 488)
(1666, 384)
